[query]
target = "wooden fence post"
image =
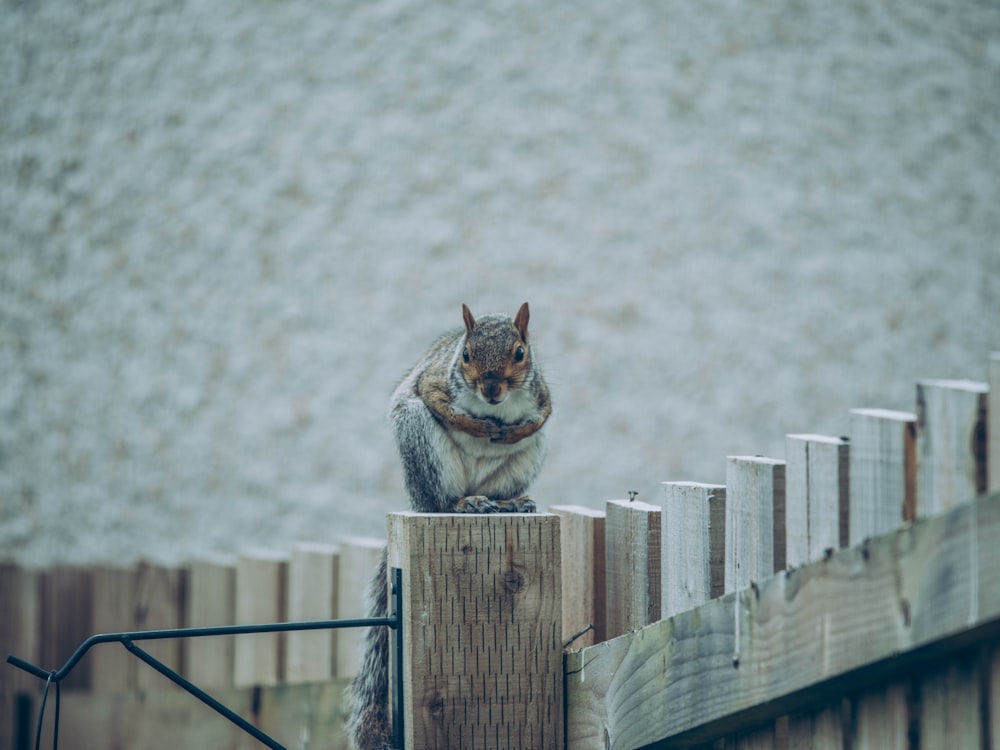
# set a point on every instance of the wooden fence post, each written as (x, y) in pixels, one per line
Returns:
(584, 587)
(755, 519)
(883, 468)
(694, 544)
(951, 443)
(312, 595)
(633, 565)
(483, 629)
(211, 602)
(816, 503)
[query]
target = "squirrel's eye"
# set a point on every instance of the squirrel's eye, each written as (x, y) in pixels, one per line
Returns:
(519, 354)
(465, 355)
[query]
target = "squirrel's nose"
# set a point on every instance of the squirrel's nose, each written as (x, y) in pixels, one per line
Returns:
(492, 387)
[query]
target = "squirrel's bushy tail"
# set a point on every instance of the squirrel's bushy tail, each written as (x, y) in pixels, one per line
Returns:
(368, 723)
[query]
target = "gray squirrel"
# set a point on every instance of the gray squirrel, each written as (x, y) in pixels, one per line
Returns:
(467, 422)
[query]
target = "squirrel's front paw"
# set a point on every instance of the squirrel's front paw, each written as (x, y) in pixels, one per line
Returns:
(475, 504)
(523, 504)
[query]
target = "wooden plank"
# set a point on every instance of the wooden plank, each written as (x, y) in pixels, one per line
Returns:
(483, 629)
(761, 738)
(359, 557)
(260, 599)
(951, 443)
(807, 635)
(312, 595)
(159, 598)
(112, 667)
(818, 729)
(633, 565)
(950, 703)
(211, 601)
(817, 503)
(20, 618)
(694, 541)
(994, 422)
(67, 606)
(883, 470)
(583, 583)
(297, 716)
(993, 687)
(755, 519)
(881, 718)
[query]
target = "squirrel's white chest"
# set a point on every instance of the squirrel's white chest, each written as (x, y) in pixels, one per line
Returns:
(475, 466)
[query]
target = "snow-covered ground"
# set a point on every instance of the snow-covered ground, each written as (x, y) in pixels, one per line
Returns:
(228, 228)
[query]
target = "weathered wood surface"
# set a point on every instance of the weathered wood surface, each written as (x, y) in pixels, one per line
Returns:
(816, 496)
(20, 630)
(261, 579)
(951, 443)
(312, 595)
(211, 602)
(359, 558)
(633, 565)
(167, 718)
(483, 629)
(806, 635)
(994, 421)
(694, 544)
(583, 581)
(159, 605)
(114, 612)
(755, 519)
(883, 468)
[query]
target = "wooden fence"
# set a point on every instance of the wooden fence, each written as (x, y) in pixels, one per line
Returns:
(845, 596)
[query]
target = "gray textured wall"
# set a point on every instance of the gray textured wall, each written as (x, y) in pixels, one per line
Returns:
(227, 228)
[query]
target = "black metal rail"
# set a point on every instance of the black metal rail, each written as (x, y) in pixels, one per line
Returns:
(129, 640)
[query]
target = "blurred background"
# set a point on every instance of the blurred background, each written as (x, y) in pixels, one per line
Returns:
(227, 229)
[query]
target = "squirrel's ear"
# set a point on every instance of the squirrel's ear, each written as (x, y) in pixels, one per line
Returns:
(521, 322)
(470, 322)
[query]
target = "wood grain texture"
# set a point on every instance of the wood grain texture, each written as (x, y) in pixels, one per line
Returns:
(112, 667)
(297, 716)
(483, 629)
(816, 496)
(312, 595)
(755, 519)
(67, 607)
(261, 578)
(993, 436)
(694, 544)
(633, 565)
(583, 581)
(883, 469)
(881, 717)
(211, 602)
(20, 626)
(806, 634)
(951, 443)
(359, 557)
(159, 599)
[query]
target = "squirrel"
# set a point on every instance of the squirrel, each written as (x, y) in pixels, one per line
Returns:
(466, 420)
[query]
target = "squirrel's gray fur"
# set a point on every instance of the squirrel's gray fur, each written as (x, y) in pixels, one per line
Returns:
(467, 422)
